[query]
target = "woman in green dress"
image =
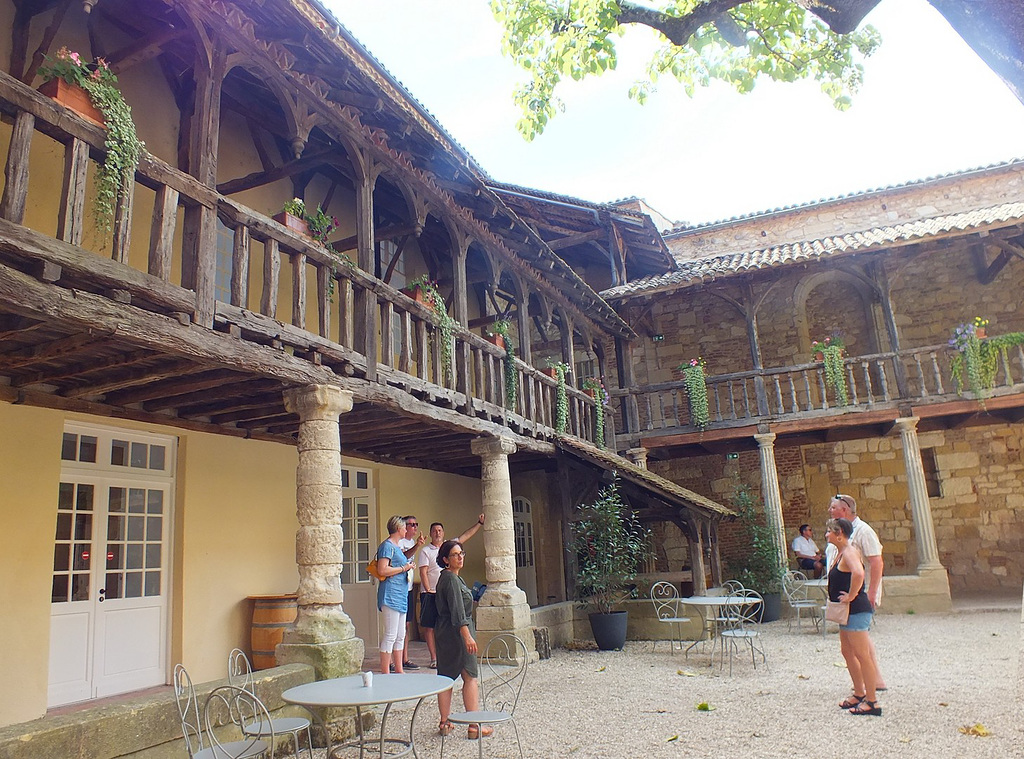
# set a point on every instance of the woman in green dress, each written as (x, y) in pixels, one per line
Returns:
(454, 635)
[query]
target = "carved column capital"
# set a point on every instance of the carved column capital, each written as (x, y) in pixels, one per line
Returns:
(765, 439)
(493, 447)
(317, 402)
(638, 456)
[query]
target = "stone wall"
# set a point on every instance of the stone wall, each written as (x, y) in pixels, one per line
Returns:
(873, 209)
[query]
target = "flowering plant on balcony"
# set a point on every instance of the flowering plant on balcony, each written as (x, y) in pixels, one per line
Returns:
(502, 328)
(319, 222)
(445, 323)
(977, 356)
(561, 398)
(596, 385)
(832, 349)
(695, 385)
(122, 143)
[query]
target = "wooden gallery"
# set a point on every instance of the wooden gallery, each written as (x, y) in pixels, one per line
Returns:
(307, 309)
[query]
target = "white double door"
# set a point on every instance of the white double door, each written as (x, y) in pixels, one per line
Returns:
(108, 623)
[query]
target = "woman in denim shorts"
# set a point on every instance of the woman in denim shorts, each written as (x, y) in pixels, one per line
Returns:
(846, 585)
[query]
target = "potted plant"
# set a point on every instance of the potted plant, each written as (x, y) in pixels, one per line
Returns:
(424, 290)
(759, 569)
(595, 388)
(696, 388)
(497, 332)
(830, 352)
(317, 224)
(611, 546)
(122, 144)
(560, 368)
(977, 356)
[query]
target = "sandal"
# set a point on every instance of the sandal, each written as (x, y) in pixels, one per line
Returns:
(445, 728)
(851, 702)
(475, 732)
(867, 708)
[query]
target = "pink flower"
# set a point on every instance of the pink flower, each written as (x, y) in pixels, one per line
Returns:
(95, 75)
(76, 58)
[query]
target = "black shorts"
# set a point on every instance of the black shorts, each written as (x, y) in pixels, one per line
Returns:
(807, 563)
(428, 610)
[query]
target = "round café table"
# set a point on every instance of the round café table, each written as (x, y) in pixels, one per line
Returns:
(386, 691)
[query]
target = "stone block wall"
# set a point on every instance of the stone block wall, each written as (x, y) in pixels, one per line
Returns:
(920, 200)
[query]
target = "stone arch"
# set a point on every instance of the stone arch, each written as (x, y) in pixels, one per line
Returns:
(836, 301)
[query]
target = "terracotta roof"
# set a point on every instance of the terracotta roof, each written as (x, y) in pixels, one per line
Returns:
(693, 272)
(667, 490)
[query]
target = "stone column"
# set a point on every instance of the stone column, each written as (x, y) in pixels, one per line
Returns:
(503, 607)
(323, 635)
(771, 492)
(638, 456)
(924, 527)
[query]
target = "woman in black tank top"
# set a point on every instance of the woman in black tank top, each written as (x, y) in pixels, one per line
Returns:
(846, 585)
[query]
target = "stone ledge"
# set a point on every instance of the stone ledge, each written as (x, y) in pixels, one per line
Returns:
(142, 728)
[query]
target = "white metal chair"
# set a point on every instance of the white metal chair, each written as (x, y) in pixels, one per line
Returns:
(743, 615)
(505, 659)
(240, 675)
(665, 598)
(795, 593)
(225, 705)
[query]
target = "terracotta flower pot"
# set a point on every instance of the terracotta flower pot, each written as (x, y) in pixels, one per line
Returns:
(590, 391)
(417, 293)
(292, 222)
(819, 356)
(498, 340)
(74, 97)
(550, 371)
(980, 333)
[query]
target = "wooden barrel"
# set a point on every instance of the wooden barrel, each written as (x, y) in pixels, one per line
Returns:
(270, 616)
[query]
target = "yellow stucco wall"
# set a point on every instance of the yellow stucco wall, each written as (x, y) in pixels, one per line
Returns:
(29, 471)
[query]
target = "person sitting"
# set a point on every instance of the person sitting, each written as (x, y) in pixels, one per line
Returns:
(807, 554)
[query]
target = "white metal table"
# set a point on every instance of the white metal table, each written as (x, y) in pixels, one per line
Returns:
(386, 691)
(706, 605)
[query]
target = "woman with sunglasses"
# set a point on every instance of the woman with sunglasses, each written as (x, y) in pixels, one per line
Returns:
(454, 636)
(393, 567)
(846, 585)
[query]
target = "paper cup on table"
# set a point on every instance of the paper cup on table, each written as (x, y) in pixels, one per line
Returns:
(367, 679)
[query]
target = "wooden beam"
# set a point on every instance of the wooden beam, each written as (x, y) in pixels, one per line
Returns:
(143, 49)
(54, 348)
(128, 379)
(568, 242)
(188, 380)
(260, 178)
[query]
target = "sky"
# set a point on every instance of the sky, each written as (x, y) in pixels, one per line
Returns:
(928, 106)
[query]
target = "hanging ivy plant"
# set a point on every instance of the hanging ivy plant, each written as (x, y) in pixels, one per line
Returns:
(978, 358)
(561, 399)
(445, 331)
(122, 144)
(831, 350)
(597, 386)
(695, 384)
(511, 375)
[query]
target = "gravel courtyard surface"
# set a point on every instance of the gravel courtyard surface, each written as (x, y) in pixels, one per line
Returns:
(944, 672)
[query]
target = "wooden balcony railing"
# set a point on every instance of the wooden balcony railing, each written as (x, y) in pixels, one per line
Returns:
(332, 312)
(874, 381)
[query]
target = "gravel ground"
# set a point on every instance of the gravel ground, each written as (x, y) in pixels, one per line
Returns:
(944, 672)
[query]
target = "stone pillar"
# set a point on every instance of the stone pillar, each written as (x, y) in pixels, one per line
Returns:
(638, 456)
(771, 492)
(924, 527)
(323, 635)
(503, 607)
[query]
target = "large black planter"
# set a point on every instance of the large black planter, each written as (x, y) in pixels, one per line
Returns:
(772, 607)
(609, 629)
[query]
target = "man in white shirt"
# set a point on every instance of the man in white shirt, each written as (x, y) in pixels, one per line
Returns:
(429, 572)
(807, 554)
(866, 539)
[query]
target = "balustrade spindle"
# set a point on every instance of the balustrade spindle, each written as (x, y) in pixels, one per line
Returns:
(778, 395)
(1005, 360)
(732, 400)
(298, 262)
(807, 390)
(920, 374)
(422, 350)
(936, 374)
(718, 405)
(822, 388)
(271, 278)
(794, 403)
(387, 334)
(438, 372)
(746, 401)
(675, 407)
(324, 279)
(405, 342)
(869, 392)
(1020, 360)
(650, 417)
(883, 381)
(346, 324)
(851, 383)
(160, 253)
(661, 410)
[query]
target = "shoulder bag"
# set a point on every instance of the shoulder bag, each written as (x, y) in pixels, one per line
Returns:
(837, 612)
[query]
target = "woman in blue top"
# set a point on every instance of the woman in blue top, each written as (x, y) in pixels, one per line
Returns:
(393, 594)
(846, 585)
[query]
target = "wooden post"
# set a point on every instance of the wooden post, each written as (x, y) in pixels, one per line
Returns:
(695, 545)
(881, 280)
(366, 300)
(717, 577)
(624, 364)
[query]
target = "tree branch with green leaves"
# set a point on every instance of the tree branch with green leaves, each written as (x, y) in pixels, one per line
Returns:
(704, 40)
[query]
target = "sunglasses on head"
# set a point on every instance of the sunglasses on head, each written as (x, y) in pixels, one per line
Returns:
(844, 498)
